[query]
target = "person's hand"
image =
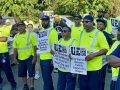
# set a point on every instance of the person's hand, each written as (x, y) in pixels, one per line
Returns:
(52, 52)
(70, 56)
(89, 57)
(52, 63)
(74, 75)
(112, 36)
(34, 60)
(16, 62)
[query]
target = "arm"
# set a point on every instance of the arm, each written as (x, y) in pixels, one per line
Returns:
(113, 60)
(15, 55)
(3, 39)
(35, 56)
(99, 53)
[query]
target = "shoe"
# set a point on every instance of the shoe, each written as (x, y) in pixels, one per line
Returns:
(27, 76)
(32, 88)
(25, 87)
(56, 71)
(13, 64)
(13, 87)
(37, 76)
(109, 71)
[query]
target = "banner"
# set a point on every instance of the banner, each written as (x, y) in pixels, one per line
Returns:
(51, 15)
(114, 24)
(61, 57)
(43, 42)
(78, 63)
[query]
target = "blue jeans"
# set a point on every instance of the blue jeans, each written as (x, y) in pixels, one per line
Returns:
(113, 85)
(91, 81)
(7, 69)
(63, 78)
(46, 70)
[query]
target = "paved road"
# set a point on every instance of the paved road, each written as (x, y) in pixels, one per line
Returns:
(39, 82)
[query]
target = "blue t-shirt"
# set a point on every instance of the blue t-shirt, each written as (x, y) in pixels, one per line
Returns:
(116, 53)
(109, 40)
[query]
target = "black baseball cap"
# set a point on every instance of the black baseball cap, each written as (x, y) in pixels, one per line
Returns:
(100, 10)
(78, 15)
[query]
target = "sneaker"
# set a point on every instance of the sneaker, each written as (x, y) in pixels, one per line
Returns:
(56, 71)
(37, 76)
(13, 87)
(27, 76)
(32, 88)
(25, 87)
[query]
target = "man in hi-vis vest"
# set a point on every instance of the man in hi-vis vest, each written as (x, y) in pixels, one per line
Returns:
(25, 45)
(46, 58)
(96, 44)
(4, 55)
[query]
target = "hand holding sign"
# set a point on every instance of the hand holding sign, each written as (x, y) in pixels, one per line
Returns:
(89, 57)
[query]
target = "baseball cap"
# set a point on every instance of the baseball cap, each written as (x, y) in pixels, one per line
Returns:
(0, 16)
(45, 17)
(7, 20)
(89, 17)
(27, 17)
(102, 20)
(100, 10)
(21, 23)
(118, 27)
(79, 16)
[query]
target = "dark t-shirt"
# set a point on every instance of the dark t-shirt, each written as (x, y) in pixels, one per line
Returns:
(14, 27)
(109, 40)
(59, 27)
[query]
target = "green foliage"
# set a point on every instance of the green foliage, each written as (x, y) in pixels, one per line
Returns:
(18, 8)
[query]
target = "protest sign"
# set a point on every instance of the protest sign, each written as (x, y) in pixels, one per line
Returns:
(43, 42)
(51, 15)
(104, 61)
(114, 24)
(61, 57)
(78, 63)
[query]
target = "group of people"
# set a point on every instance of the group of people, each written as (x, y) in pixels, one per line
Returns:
(93, 33)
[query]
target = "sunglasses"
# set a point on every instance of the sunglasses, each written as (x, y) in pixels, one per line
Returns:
(64, 31)
(86, 21)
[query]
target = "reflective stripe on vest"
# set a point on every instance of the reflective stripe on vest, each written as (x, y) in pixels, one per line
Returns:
(93, 43)
(115, 45)
(28, 47)
(3, 31)
(71, 27)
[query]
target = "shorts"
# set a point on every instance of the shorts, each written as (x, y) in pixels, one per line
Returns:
(25, 65)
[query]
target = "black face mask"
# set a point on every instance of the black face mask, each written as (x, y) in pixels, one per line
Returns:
(118, 37)
(100, 16)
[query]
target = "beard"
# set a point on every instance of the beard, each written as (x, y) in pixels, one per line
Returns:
(45, 26)
(100, 16)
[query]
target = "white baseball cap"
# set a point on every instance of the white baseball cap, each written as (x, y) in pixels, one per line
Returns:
(7, 20)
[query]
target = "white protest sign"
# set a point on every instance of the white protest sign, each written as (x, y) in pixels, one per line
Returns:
(51, 15)
(78, 63)
(43, 42)
(114, 24)
(104, 61)
(61, 57)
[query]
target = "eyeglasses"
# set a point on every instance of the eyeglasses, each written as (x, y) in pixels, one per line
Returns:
(86, 21)
(64, 31)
